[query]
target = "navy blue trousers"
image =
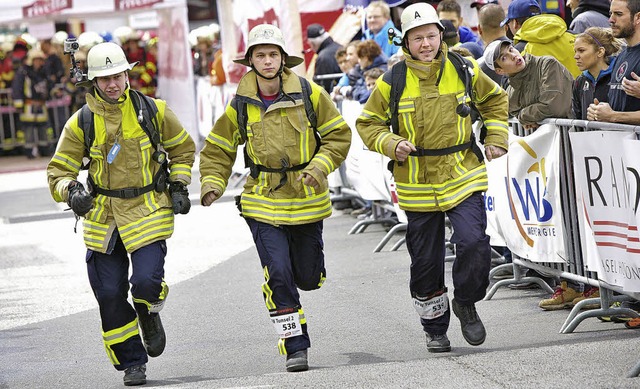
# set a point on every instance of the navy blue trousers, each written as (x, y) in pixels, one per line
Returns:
(294, 258)
(108, 278)
(426, 246)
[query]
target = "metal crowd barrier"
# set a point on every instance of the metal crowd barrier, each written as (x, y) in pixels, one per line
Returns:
(574, 268)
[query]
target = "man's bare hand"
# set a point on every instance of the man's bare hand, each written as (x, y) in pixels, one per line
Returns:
(210, 197)
(403, 149)
(493, 152)
(308, 180)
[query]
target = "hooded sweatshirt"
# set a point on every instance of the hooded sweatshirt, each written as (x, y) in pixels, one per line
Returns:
(547, 34)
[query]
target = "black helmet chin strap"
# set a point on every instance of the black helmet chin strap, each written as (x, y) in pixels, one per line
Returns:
(278, 73)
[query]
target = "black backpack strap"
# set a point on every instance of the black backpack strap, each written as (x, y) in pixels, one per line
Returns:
(308, 105)
(85, 122)
(464, 67)
(397, 78)
(150, 125)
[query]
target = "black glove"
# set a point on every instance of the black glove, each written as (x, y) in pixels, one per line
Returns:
(179, 198)
(80, 200)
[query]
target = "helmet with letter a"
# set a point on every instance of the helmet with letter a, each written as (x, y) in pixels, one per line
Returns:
(267, 34)
(417, 15)
(107, 59)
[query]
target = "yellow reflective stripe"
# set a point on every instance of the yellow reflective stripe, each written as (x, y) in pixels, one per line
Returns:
(286, 210)
(281, 348)
(322, 279)
(158, 224)
(421, 202)
(327, 127)
(65, 160)
(495, 91)
(214, 180)
(414, 166)
(325, 161)
(118, 335)
(99, 208)
(497, 125)
(180, 171)
(366, 114)
(381, 140)
(60, 188)
(147, 175)
(176, 140)
(303, 318)
(220, 142)
(267, 292)
(305, 150)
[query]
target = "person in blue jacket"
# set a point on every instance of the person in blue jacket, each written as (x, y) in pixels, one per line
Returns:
(378, 15)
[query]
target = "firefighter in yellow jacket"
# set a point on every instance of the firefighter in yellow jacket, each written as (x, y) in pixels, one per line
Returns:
(286, 196)
(439, 171)
(135, 187)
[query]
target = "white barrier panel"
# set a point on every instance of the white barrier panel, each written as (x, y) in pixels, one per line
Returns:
(523, 201)
(607, 166)
(365, 169)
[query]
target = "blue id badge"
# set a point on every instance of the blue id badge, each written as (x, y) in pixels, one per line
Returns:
(113, 152)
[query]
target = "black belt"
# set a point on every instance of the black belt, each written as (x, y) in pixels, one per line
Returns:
(159, 183)
(255, 169)
(422, 152)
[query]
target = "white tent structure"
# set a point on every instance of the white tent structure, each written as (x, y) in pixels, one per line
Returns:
(175, 78)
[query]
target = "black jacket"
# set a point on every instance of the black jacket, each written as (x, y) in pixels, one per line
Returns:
(326, 63)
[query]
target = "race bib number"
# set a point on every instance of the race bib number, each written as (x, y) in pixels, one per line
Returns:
(287, 325)
(432, 308)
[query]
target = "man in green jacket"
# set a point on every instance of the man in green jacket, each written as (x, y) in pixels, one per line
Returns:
(286, 197)
(539, 87)
(438, 172)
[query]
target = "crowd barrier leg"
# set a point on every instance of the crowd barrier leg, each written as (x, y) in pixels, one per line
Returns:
(400, 227)
(379, 215)
(635, 372)
(399, 243)
(606, 298)
(517, 278)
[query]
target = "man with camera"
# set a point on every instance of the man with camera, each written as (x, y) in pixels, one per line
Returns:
(135, 144)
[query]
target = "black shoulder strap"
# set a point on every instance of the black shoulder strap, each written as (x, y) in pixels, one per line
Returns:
(241, 109)
(308, 104)
(464, 69)
(146, 105)
(397, 78)
(85, 122)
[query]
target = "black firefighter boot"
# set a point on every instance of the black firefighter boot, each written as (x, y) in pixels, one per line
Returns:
(152, 331)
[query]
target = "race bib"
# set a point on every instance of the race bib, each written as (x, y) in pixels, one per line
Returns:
(432, 308)
(287, 325)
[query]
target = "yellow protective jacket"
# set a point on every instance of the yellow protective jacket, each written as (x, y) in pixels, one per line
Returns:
(281, 132)
(427, 118)
(140, 220)
(547, 34)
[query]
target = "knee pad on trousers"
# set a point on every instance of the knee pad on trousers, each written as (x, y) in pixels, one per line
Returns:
(432, 306)
(288, 321)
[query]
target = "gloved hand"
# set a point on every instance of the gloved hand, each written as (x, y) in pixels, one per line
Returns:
(80, 200)
(179, 198)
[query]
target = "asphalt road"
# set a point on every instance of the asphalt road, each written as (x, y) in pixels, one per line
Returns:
(364, 331)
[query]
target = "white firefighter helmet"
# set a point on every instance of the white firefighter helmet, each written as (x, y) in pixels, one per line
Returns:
(417, 15)
(267, 34)
(88, 39)
(106, 59)
(59, 37)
